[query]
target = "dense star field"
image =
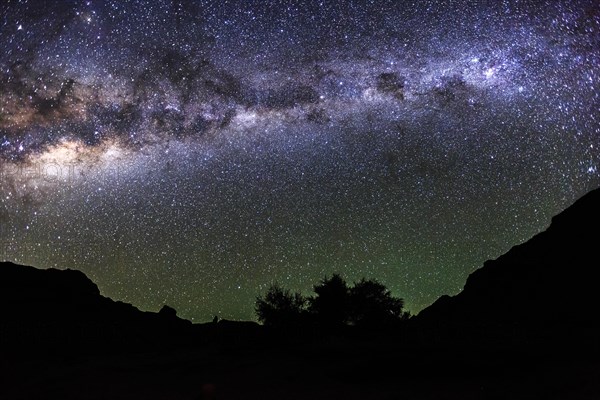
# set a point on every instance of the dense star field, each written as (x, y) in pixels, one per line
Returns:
(193, 152)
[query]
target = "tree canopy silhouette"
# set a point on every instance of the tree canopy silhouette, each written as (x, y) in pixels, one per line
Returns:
(372, 304)
(280, 306)
(331, 303)
(368, 303)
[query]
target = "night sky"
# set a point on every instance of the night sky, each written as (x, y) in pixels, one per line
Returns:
(191, 153)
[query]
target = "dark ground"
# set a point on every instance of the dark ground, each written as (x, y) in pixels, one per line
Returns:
(258, 364)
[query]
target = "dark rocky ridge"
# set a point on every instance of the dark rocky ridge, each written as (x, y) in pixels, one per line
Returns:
(55, 310)
(550, 280)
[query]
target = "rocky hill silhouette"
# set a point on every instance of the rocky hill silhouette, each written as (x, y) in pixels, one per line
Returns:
(549, 281)
(63, 309)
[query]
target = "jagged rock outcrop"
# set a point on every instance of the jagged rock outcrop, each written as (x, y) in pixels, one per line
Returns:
(549, 281)
(54, 308)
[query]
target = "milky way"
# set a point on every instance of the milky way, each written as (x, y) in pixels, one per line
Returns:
(192, 153)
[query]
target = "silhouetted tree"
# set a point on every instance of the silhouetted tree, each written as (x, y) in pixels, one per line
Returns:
(335, 304)
(280, 307)
(330, 306)
(372, 304)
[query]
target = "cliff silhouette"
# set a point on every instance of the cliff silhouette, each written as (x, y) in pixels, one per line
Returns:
(62, 310)
(548, 281)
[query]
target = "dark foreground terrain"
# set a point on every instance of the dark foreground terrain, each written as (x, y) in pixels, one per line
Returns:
(331, 369)
(525, 326)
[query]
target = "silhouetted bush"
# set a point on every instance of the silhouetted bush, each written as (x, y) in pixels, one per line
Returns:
(280, 307)
(368, 303)
(331, 304)
(372, 304)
